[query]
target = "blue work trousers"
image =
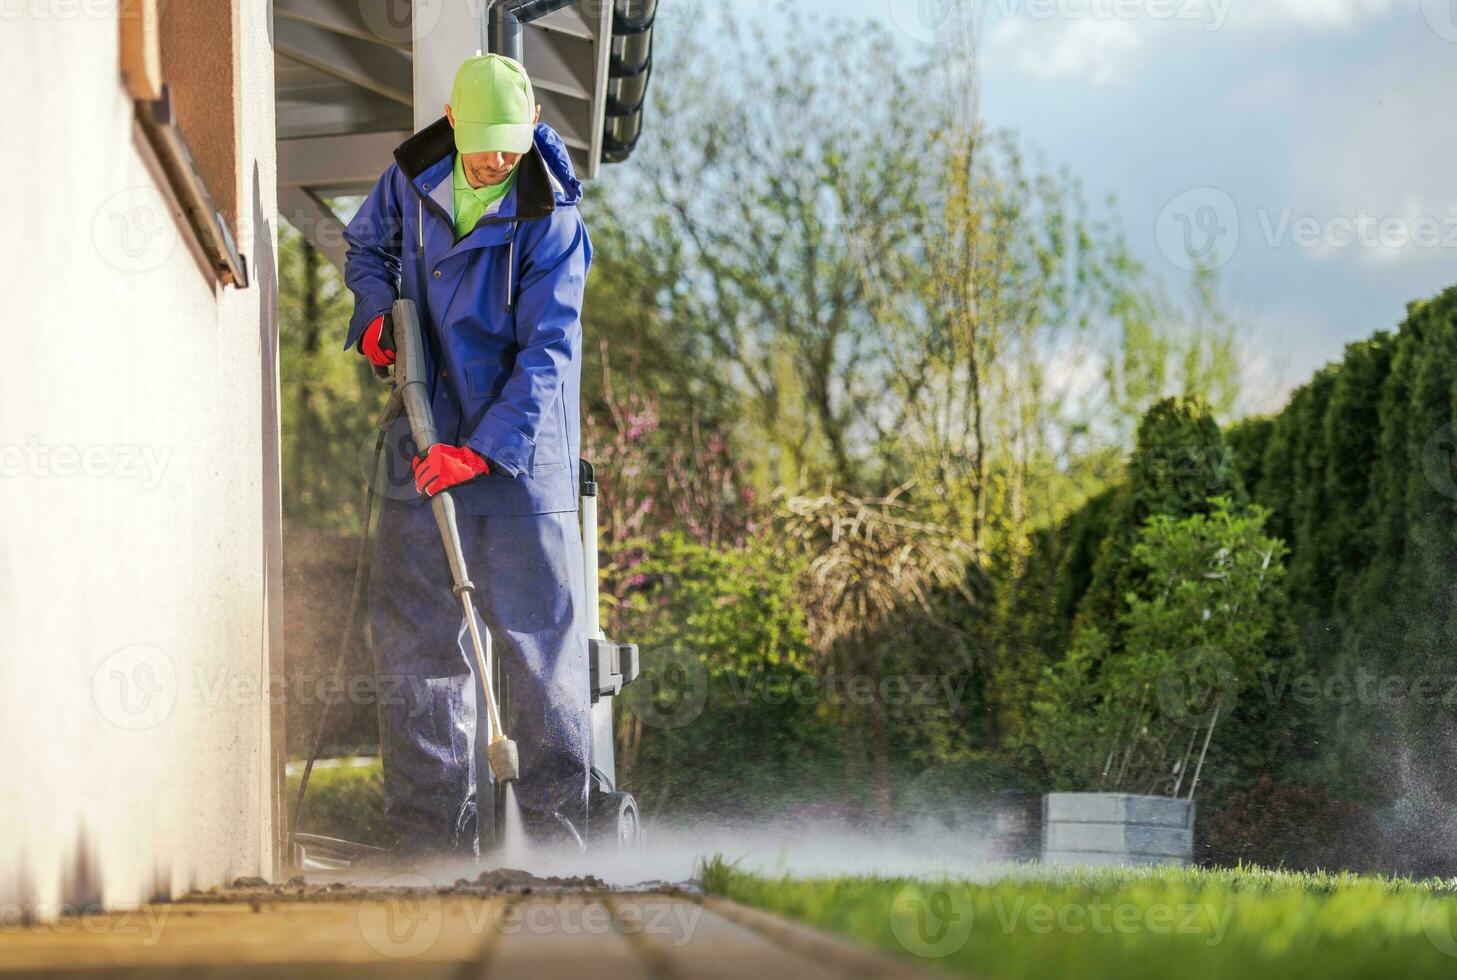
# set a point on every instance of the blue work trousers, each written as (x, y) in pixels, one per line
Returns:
(527, 572)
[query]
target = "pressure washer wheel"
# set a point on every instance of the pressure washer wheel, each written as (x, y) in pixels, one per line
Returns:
(614, 822)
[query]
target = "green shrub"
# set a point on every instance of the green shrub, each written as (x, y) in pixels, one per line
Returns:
(345, 802)
(1201, 633)
(727, 717)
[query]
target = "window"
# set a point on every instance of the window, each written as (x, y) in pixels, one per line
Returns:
(179, 61)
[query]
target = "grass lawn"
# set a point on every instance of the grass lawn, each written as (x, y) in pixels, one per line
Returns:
(344, 801)
(1158, 923)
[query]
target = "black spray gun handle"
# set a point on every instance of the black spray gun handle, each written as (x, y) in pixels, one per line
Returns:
(414, 395)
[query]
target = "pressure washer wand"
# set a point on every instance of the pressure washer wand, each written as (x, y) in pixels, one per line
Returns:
(409, 382)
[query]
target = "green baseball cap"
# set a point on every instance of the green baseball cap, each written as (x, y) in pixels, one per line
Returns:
(494, 106)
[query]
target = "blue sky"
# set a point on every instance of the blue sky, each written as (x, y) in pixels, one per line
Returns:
(1309, 142)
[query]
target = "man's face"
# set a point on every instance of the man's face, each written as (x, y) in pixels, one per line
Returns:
(488, 169)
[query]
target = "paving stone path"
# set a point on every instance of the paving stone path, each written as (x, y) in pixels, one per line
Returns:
(569, 931)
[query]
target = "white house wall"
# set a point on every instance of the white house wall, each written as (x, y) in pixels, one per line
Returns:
(138, 485)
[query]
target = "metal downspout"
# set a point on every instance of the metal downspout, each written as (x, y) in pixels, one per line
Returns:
(505, 19)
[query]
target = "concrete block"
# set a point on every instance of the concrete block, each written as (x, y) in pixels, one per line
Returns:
(1096, 860)
(1117, 828)
(1119, 838)
(1161, 811)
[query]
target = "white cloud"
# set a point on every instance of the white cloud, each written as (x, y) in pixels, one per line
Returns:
(1387, 171)
(1314, 14)
(1100, 41)
(1096, 50)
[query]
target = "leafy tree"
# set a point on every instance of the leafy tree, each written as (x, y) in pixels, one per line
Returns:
(714, 725)
(1169, 348)
(631, 330)
(868, 297)
(328, 399)
(1200, 634)
(992, 280)
(1356, 473)
(766, 285)
(1034, 621)
(1179, 464)
(876, 583)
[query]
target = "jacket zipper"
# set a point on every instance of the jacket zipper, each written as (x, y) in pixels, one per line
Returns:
(511, 267)
(515, 221)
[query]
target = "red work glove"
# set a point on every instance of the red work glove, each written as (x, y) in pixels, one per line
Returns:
(369, 344)
(446, 466)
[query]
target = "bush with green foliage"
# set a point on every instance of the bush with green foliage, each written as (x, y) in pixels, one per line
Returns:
(1179, 465)
(1135, 718)
(345, 801)
(1357, 474)
(727, 716)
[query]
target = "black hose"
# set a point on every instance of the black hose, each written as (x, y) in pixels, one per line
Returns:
(356, 602)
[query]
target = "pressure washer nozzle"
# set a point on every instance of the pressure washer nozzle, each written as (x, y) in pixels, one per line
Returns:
(504, 762)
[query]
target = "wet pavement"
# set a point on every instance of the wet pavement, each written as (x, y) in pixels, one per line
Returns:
(501, 924)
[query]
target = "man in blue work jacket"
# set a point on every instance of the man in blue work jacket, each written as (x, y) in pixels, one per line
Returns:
(477, 222)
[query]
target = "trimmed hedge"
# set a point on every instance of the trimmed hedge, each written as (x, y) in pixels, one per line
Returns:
(1358, 472)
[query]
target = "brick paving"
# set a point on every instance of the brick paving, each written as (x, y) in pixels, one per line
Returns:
(573, 933)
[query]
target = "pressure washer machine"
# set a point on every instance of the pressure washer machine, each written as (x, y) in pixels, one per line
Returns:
(613, 820)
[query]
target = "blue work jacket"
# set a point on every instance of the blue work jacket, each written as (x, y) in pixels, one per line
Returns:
(500, 310)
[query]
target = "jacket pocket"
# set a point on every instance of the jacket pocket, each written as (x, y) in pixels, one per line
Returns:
(485, 379)
(551, 438)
